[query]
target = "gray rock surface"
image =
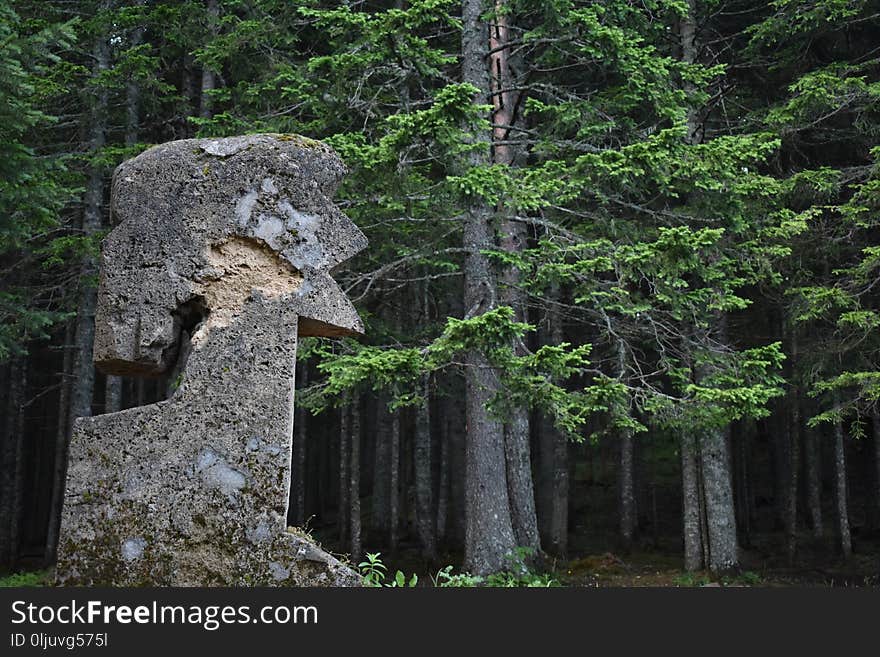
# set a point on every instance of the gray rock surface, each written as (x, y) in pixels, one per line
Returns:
(221, 258)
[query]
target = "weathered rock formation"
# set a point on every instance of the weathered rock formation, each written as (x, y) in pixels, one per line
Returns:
(220, 260)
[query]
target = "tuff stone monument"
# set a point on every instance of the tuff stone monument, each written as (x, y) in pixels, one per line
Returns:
(220, 260)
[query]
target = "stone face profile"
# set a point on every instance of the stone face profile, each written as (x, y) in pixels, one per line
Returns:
(221, 258)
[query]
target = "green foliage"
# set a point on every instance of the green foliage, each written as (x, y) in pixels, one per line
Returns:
(745, 578)
(33, 188)
(33, 578)
(517, 576)
(373, 572)
(664, 200)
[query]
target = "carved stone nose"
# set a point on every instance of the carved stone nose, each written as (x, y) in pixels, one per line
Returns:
(325, 310)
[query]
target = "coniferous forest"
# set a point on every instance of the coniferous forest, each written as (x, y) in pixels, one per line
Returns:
(621, 295)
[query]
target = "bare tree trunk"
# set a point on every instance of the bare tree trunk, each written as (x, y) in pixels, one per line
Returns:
(59, 467)
(206, 109)
(875, 434)
(690, 475)
(655, 517)
(113, 384)
(489, 535)
(626, 488)
(379, 522)
(840, 498)
(520, 487)
(627, 496)
(323, 482)
(443, 492)
(7, 462)
(705, 461)
(406, 462)
(792, 433)
(554, 457)
(17, 415)
(456, 433)
(560, 501)
(425, 518)
(93, 202)
(394, 483)
(814, 482)
(720, 515)
(12, 465)
(300, 437)
(112, 394)
(344, 463)
(133, 90)
(741, 445)
(355, 481)
(792, 494)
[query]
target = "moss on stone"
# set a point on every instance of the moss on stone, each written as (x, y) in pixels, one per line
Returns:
(299, 140)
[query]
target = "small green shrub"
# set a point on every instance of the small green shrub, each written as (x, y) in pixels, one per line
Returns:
(745, 578)
(373, 572)
(692, 579)
(517, 575)
(445, 578)
(36, 578)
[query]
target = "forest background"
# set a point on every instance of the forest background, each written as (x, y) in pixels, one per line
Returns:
(621, 291)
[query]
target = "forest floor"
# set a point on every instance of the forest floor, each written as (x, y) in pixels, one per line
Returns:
(660, 565)
(651, 564)
(653, 569)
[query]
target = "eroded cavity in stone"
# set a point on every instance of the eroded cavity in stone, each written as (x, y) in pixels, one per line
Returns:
(239, 267)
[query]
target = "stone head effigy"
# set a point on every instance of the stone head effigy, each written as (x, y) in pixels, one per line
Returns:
(221, 258)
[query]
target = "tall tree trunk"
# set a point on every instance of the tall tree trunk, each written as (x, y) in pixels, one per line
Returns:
(83, 380)
(355, 481)
(406, 462)
(133, 90)
(456, 433)
(12, 472)
(297, 515)
(562, 497)
(875, 435)
(718, 491)
(379, 522)
(113, 384)
(844, 539)
(443, 493)
(489, 535)
(344, 513)
(82, 371)
(323, 482)
(793, 434)
(112, 394)
(17, 417)
(711, 451)
(626, 486)
(814, 481)
(59, 464)
(394, 483)
(778, 426)
(209, 80)
(627, 499)
(7, 461)
(554, 461)
(520, 486)
(424, 483)
(691, 514)
(113, 387)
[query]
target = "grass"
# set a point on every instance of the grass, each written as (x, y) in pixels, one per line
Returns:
(33, 578)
